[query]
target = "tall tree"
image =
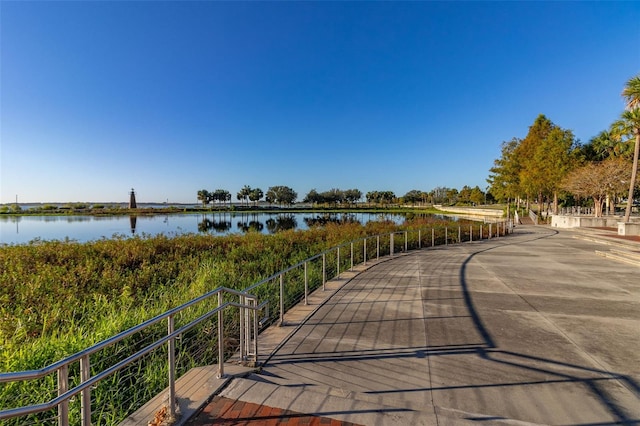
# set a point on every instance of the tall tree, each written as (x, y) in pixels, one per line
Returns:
(412, 197)
(313, 197)
(504, 176)
(477, 196)
(243, 194)
(255, 195)
(546, 156)
(464, 196)
(631, 94)
(203, 197)
(281, 195)
(352, 196)
(221, 196)
(333, 196)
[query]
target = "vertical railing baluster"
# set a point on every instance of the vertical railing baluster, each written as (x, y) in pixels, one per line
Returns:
(324, 271)
(364, 254)
(419, 238)
(281, 300)
(85, 400)
(351, 268)
(446, 235)
(391, 244)
(255, 333)
(220, 337)
(377, 247)
(243, 331)
(306, 284)
(406, 241)
(172, 368)
(338, 263)
(63, 386)
(470, 232)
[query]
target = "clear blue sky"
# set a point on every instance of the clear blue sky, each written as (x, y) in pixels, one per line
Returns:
(173, 97)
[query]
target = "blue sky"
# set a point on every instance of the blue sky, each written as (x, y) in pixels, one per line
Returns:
(173, 97)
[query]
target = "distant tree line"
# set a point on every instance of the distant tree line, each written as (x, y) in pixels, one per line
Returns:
(335, 197)
(282, 195)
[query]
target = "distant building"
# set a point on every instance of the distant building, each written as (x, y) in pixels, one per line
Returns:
(132, 200)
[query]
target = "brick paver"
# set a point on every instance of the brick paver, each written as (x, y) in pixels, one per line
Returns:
(227, 412)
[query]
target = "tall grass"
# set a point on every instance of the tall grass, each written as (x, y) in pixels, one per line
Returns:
(58, 298)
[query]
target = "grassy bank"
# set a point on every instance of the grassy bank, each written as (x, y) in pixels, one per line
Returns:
(58, 298)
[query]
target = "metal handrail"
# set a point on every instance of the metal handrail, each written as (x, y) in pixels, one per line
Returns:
(85, 387)
(248, 302)
(36, 374)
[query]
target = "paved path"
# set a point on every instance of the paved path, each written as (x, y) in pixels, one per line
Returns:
(534, 328)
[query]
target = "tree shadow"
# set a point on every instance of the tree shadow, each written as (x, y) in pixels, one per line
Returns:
(528, 370)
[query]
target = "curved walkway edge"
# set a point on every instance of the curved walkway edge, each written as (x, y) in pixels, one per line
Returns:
(533, 328)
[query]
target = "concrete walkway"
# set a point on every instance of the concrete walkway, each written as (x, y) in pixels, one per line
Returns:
(533, 328)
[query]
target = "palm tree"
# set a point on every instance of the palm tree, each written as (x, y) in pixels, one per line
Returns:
(255, 195)
(243, 194)
(631, 94)
(203, 195)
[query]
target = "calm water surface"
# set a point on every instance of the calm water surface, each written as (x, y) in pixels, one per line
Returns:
(23, 229)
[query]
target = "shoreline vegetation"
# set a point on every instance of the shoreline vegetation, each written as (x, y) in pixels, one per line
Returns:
(81, 209)
(59, 298)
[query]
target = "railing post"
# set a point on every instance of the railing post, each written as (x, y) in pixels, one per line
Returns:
(377, 247)
(446, 235)
(470, 233)
(480, 231)
(63, 386)
(172, 368)
(255, 334)
(433, 237)
(391, 242)
(243, 330)
(281, 300)
(365, 250)
(306, 284)
(351, 257)
(406, 240)
(490, 230)
(459, 235)
(85, 400)
(220, 338)
(324, 271)
(419, 238)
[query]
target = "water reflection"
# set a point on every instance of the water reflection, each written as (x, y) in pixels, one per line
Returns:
(132, 222)
(251, 222)
(322, 220)
(23, 229)
(281, 223)
(251, 226)
(208, 225)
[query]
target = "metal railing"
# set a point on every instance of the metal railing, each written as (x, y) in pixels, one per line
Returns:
(248, 303)
(294, 284)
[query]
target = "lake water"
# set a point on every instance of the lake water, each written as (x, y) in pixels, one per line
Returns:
(23, 229)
